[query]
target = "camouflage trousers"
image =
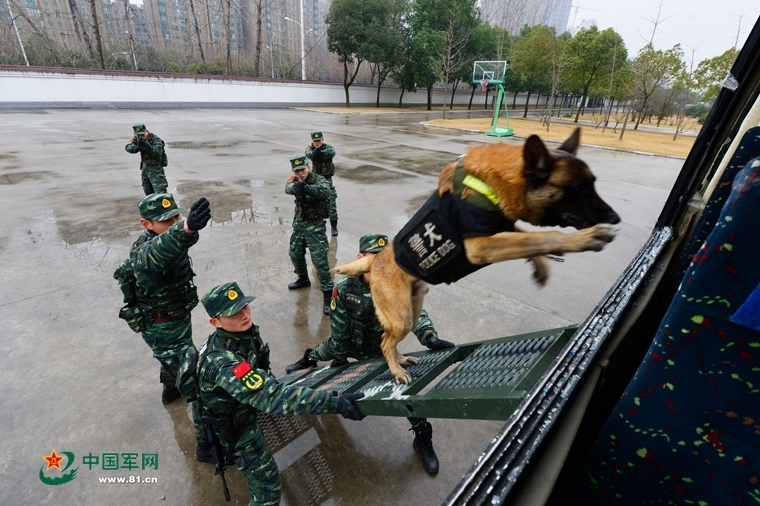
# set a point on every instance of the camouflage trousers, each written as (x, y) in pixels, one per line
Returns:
(255, 461)
(153, 179)
(311, 235)
(169, 341)
(332, 207)
(336, 347)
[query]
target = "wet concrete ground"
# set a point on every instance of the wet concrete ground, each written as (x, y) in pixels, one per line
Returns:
(74, 378)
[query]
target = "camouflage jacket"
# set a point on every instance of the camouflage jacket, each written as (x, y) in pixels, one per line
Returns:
(152, 152)
(355, 328)
(313, 205)
(163, 271)
(324, 166)
(230, 382)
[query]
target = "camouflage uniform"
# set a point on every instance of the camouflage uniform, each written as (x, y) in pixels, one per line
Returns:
(235, 383)
(165, 289)
(309, 227)
(324, 167)
(356, 331)
(152, 160)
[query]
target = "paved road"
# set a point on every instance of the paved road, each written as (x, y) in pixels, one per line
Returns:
(75, 379)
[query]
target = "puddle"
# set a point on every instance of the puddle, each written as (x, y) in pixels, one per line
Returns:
(201, 145)
(228, 207)
(116, 219)
(253, 183)
(20, 177)
(372, 174)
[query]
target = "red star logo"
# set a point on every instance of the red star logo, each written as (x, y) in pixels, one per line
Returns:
(53, 460)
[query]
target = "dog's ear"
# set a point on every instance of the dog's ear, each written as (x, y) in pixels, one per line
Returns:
(538, 162)
(572, 142)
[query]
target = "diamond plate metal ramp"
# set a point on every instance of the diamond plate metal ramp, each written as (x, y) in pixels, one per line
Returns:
(484, 380)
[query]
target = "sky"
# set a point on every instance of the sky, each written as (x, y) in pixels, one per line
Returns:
(709, 27)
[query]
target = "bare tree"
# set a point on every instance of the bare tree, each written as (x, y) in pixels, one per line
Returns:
(451, 54)
(96, 32)
(198, 37)
(259, 4)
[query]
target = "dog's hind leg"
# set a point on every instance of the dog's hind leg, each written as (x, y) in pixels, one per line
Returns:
(394, 307)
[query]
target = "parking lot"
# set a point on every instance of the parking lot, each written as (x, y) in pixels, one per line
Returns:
(74, 378)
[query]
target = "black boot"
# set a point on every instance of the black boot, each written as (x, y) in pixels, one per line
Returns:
(334, 227)
(423, 444)
(438, 344)
(301, 282)
(303, 363)
(203, 453)
(170, 394)
(337, 362)
(327, 297)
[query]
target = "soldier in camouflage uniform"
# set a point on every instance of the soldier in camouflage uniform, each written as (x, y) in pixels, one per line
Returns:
(235, 383)
(312, 192)
(163, 278)
(321, 156)
(152, 159)
(356, 332)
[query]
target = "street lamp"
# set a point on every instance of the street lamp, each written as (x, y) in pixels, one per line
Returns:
(271, 51)
(303, 54)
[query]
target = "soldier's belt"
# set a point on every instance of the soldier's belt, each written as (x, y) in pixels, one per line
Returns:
(163, 318)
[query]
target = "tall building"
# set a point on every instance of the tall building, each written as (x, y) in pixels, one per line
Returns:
(512, 15)
(558, 14)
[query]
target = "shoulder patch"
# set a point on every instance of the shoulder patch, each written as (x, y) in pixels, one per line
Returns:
(248, 376)
(292, 178)
(241, 369)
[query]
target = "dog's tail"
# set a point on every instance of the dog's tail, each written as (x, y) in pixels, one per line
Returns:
(359, 266)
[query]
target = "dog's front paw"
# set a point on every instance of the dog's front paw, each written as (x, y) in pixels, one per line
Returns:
(540, 270)
(598, 236)
(404, 361)
(403, 378)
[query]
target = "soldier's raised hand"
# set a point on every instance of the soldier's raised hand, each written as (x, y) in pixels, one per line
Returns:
(200, 213)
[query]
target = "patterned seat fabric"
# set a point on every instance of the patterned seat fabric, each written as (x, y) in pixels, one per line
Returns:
(687, 428)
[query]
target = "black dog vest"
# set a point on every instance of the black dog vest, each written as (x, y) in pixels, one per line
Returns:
(431, 247)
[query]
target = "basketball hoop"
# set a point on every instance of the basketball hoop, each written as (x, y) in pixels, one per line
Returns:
(484, 84)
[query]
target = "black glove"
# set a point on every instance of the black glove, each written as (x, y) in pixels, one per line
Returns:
(200, 213)
(316, 154)
(300, 188)
(139, 141)
(347, 408)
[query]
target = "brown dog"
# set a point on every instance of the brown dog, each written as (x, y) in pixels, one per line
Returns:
(468, 223)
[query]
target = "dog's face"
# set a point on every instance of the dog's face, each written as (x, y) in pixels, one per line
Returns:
(559, 187)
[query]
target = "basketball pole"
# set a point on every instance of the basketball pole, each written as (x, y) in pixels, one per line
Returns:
(495, 131)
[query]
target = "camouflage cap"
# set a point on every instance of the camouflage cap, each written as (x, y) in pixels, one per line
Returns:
(139, 129)
(316, 136)
(372, 243)
(225, 300)
(159, 207)
(298, 162)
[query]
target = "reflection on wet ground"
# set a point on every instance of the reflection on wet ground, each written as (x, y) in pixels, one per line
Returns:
(372, 174)
(420, 161)
(20, 177)
(228, 207)
(201, 145)
(116, 218)
(253, 183)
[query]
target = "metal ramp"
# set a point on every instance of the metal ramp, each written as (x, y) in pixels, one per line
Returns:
(485, 380)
